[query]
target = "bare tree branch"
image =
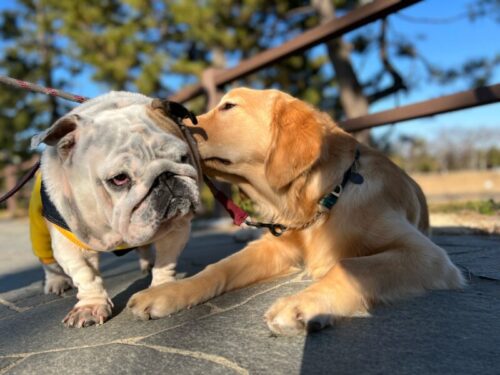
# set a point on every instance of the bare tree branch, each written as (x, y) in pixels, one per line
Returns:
(398, 83)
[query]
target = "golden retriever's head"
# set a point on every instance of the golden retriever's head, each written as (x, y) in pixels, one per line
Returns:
(259, 134)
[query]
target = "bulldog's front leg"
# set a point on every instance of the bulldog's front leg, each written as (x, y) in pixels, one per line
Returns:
(146, 258)
(168, 249)
(94, 305)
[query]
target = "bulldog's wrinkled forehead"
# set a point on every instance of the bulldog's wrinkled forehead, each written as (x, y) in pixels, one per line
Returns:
(120, 123)
(131, 131)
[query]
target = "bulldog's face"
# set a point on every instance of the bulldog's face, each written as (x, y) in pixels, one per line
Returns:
(118, 171)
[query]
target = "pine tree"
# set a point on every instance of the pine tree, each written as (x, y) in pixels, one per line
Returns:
(30, 53)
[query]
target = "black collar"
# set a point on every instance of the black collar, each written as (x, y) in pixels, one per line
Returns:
(328, 201)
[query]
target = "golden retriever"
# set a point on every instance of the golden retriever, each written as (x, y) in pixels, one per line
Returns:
(370, 246)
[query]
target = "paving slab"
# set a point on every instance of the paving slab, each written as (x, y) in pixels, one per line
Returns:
(461, 328)
(477, 255)
(6, 362)
(240, 333)
(121, 359)
(5, 311)
(31, 329)
(445, 332)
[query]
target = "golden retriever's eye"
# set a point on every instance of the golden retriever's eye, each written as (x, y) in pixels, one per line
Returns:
(227, 106)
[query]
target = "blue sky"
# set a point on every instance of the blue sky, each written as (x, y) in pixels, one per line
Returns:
(446, 45)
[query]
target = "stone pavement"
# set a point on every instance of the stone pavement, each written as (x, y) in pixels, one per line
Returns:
(445, 332)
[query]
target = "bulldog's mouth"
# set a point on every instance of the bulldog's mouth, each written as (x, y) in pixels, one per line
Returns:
(165, 217)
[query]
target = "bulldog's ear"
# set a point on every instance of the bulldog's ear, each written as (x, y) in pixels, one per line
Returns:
(295, 142)
(174, 109)
(62, 134)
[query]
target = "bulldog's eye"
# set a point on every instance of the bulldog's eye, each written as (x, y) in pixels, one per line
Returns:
(121, 179)
(185, 159)
(227, 106)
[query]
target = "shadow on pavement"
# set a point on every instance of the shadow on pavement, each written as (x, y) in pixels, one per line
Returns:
(121, 299)
(20, 279)
(445, 332)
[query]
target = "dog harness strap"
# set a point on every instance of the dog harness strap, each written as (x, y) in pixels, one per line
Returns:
(71, 236)
(329, 200)
(50, 212)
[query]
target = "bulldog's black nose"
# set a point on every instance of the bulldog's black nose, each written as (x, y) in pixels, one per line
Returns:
(166, 175)
(162, 179)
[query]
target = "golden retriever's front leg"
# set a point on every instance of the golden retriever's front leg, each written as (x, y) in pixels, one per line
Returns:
(260, 260)
(411, 265)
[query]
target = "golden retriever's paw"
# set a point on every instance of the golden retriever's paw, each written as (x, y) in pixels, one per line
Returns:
(158, 301)
(87, 315)
(299, 314)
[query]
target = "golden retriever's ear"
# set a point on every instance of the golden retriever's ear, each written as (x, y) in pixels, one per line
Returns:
(295, 143)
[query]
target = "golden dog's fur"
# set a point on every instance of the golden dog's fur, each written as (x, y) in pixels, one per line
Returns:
(285, 155)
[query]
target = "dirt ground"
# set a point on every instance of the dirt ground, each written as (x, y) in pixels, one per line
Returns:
(464, 223)
(460, 185)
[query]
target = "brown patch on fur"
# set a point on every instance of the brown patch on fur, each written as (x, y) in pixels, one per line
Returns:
(165, 123)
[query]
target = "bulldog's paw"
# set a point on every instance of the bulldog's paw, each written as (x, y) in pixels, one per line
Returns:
(159, 301)
(56, 281)
(299, 314)
(57, 284)
(87, 315)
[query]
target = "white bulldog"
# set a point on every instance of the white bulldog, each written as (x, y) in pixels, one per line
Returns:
(120, 173)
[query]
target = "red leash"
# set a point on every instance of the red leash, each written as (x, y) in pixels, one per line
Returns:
(237, 213)
(21, 182)
(17, 83)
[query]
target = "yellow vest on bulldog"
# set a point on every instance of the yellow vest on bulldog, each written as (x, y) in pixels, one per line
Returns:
(40, 210)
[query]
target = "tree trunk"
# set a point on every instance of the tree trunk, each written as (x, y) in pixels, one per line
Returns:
(352, 99)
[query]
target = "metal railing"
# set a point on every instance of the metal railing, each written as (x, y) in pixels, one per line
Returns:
(212, 79)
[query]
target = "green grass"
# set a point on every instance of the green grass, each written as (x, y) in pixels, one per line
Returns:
(486, 207)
